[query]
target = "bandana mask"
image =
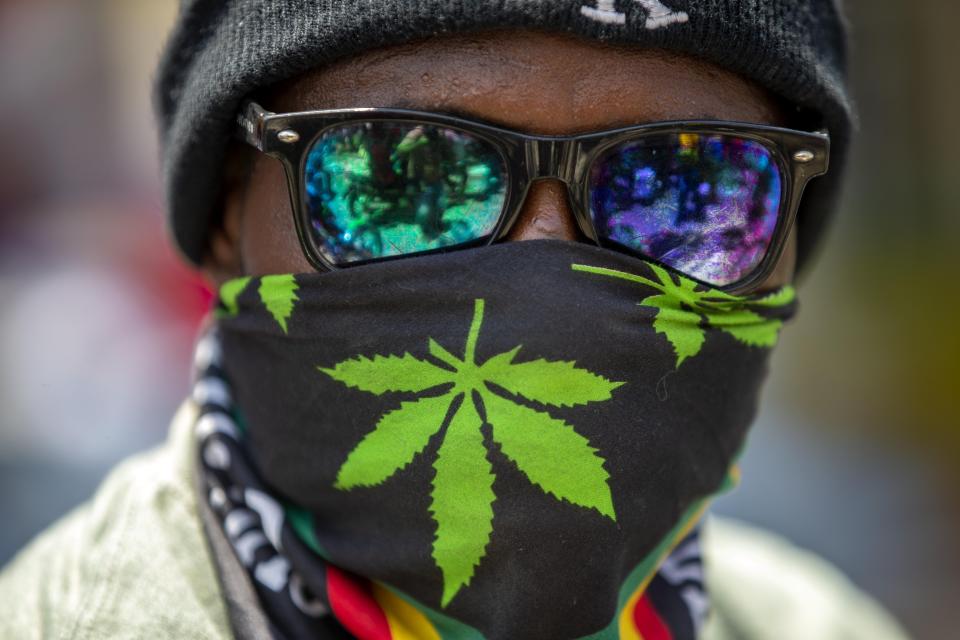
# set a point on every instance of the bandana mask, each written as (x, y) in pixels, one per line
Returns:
(507, 441)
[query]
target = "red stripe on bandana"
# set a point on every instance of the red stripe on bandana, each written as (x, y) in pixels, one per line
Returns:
(650, 625)
(354, 606)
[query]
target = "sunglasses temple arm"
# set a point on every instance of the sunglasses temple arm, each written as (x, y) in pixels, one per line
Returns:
(250, 123)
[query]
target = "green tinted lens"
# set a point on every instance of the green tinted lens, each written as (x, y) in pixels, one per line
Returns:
(386, 188)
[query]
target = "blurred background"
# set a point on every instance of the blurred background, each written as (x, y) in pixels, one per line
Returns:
(856, 454)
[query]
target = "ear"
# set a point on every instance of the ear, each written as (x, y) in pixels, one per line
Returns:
(223, 259)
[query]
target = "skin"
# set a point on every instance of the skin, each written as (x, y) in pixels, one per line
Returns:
(526, 81)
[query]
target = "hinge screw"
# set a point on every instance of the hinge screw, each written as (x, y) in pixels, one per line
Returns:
(288, 136)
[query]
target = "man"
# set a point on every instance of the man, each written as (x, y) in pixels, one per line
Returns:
(494, 402)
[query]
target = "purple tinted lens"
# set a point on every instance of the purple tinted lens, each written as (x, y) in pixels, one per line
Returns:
(705, 205)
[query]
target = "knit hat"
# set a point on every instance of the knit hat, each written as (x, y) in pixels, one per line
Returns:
(222, 50)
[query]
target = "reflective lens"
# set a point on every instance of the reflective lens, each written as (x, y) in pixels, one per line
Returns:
(387, 188)
(705, 205)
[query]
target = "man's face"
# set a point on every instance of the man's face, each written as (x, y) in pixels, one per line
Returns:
(526, 81)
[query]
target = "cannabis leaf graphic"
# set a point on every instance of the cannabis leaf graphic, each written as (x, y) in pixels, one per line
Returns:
(682, 305)
(277, 293)
(229, 293)
(548, 451)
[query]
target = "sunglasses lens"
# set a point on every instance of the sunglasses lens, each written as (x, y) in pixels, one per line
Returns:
(705, 205)
(387, 188)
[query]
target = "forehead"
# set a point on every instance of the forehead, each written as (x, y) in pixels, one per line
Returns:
(533, 82)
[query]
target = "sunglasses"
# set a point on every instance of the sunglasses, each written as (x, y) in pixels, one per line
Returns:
(713, 201)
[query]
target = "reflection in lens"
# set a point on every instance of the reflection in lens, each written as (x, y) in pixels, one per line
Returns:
(706, 205)
(386, 188)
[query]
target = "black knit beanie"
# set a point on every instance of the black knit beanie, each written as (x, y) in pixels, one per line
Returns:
(222, 50)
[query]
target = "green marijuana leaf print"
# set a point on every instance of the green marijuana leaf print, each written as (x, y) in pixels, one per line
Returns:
(681, 306)
(548, 451)
(229, 293)
(278, 294)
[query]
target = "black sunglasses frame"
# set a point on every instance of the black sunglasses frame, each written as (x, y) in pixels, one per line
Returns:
(288, 137)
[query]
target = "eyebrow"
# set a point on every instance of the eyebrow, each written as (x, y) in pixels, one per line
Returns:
(467, 114)
(457, 112)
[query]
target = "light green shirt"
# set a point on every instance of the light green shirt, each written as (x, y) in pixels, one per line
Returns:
(133, 563)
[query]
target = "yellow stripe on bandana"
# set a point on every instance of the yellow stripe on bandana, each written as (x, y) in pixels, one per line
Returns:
(405, 621)
(628, 630)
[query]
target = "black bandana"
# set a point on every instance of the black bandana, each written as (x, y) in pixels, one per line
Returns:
(507, 442)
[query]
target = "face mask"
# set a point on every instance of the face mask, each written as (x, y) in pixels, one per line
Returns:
(509, 439)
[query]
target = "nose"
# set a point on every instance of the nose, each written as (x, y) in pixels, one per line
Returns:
(546, 215)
